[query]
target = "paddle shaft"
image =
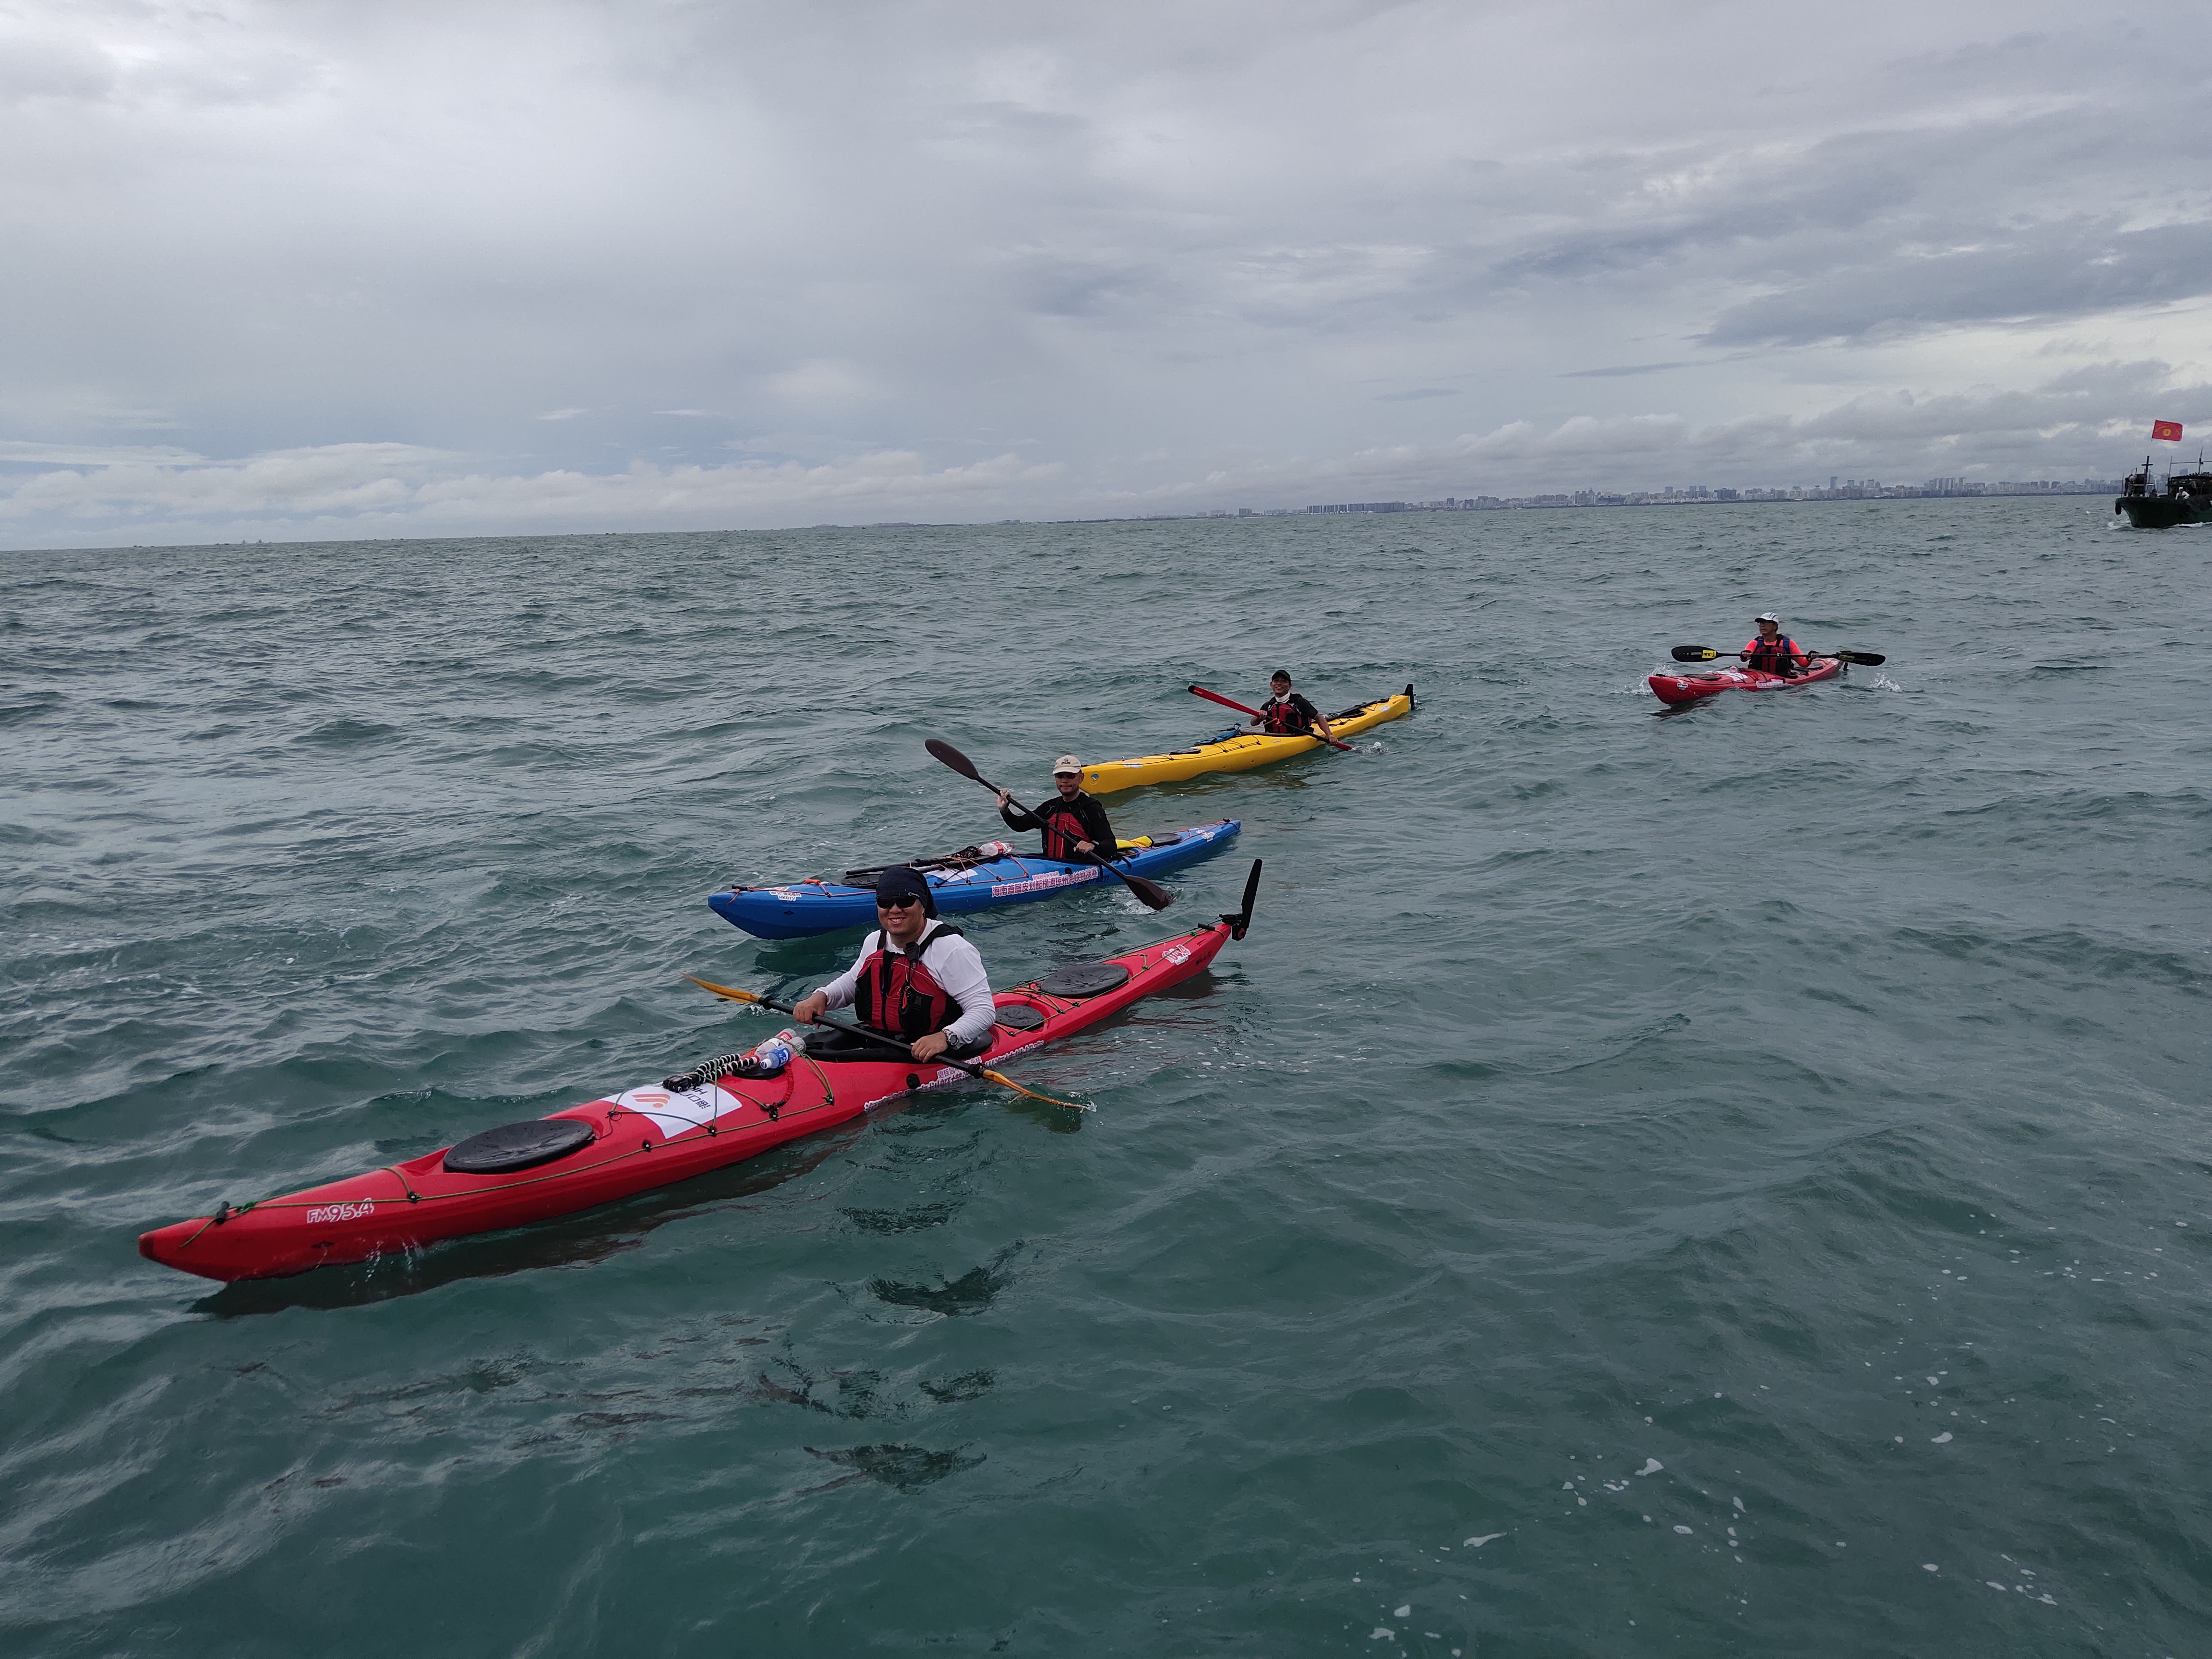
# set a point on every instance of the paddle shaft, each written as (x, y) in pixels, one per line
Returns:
(1707, 654)
(889, 1044)
(1226, 703)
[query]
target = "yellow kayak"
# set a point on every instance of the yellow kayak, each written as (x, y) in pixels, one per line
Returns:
(1237, 754)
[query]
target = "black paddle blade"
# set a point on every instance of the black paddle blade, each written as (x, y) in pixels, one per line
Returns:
(1150, 894)
(1239, 923)
(953, 758)
(1864, 658)
(1686, 653)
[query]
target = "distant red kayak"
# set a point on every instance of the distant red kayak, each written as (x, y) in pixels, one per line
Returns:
(1673, 688)
(642, 1139)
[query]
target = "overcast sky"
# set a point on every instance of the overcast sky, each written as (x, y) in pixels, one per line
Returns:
(341, 270)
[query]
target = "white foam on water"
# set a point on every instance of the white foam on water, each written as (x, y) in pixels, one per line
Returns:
(1406, 1611)
(1651, 1466)
(1942, 1439)
(1487, 1538)
(1928, 1566)
(1740, 1509)
(1685, 1531)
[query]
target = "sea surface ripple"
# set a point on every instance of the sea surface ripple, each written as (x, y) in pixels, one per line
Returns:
(1723, 1182)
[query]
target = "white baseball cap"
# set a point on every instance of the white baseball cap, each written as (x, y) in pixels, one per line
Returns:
(1066, 764)
(1768, 616)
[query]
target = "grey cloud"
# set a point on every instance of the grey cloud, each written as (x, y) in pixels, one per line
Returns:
(1620, 372)
(2056, 271)
(1269, 240)
(53, 68)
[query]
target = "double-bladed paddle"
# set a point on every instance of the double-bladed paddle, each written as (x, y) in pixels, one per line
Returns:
(891, 1045)
(1215, 696)
(1707, 654)
(1152, 895)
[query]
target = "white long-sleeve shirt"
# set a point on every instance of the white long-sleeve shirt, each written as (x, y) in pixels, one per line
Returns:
(954, 964)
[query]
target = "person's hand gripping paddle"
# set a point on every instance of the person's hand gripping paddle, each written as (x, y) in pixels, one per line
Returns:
(1149, 894)
(892, 1047)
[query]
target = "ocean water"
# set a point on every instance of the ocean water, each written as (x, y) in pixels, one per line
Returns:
(1725, 1182)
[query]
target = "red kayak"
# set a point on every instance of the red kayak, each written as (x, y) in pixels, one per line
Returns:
(642, 1139)
(1673, 688)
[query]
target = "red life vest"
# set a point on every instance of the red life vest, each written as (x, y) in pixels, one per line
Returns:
(896, 993)
(1782, 657)
(1283, 718)
(1063, 827)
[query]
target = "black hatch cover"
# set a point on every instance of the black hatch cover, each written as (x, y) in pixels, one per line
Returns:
(519, 1146)
(1085, 979)
(1019, 1016)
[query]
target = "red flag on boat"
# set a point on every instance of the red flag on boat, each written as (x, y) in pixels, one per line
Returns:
(2169, 431)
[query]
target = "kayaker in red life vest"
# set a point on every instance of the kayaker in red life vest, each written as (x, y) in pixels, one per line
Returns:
(1286, 713)
(916, 978)
(1774, 652)
(1074, 825)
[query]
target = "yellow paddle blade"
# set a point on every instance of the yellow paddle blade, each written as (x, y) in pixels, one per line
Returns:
(1002, 1079)
(724, 990)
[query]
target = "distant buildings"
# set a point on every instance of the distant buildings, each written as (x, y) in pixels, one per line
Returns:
(1844, 489)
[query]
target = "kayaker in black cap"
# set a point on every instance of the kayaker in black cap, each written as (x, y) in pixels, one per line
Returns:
(916, 979)
(1774, 652)
(1074, 824)
(1286, 713)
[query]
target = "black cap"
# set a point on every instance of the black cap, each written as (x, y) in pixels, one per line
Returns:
(903, 881)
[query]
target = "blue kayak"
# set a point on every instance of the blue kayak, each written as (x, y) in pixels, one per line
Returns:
(803, 907)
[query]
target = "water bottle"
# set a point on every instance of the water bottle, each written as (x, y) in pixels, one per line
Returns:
(994, 849)
(768, 1059)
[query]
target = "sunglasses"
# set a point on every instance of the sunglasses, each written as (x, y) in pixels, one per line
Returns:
(883, 903)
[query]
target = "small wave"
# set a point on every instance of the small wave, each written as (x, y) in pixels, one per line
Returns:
(345, 732)
(39, 703)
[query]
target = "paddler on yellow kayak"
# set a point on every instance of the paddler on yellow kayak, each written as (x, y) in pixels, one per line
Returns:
(1288, 715)
(916, 979)
(1074, 825)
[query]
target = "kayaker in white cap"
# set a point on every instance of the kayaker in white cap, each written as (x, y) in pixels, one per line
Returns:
(1774, 652)
(1073, 824)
